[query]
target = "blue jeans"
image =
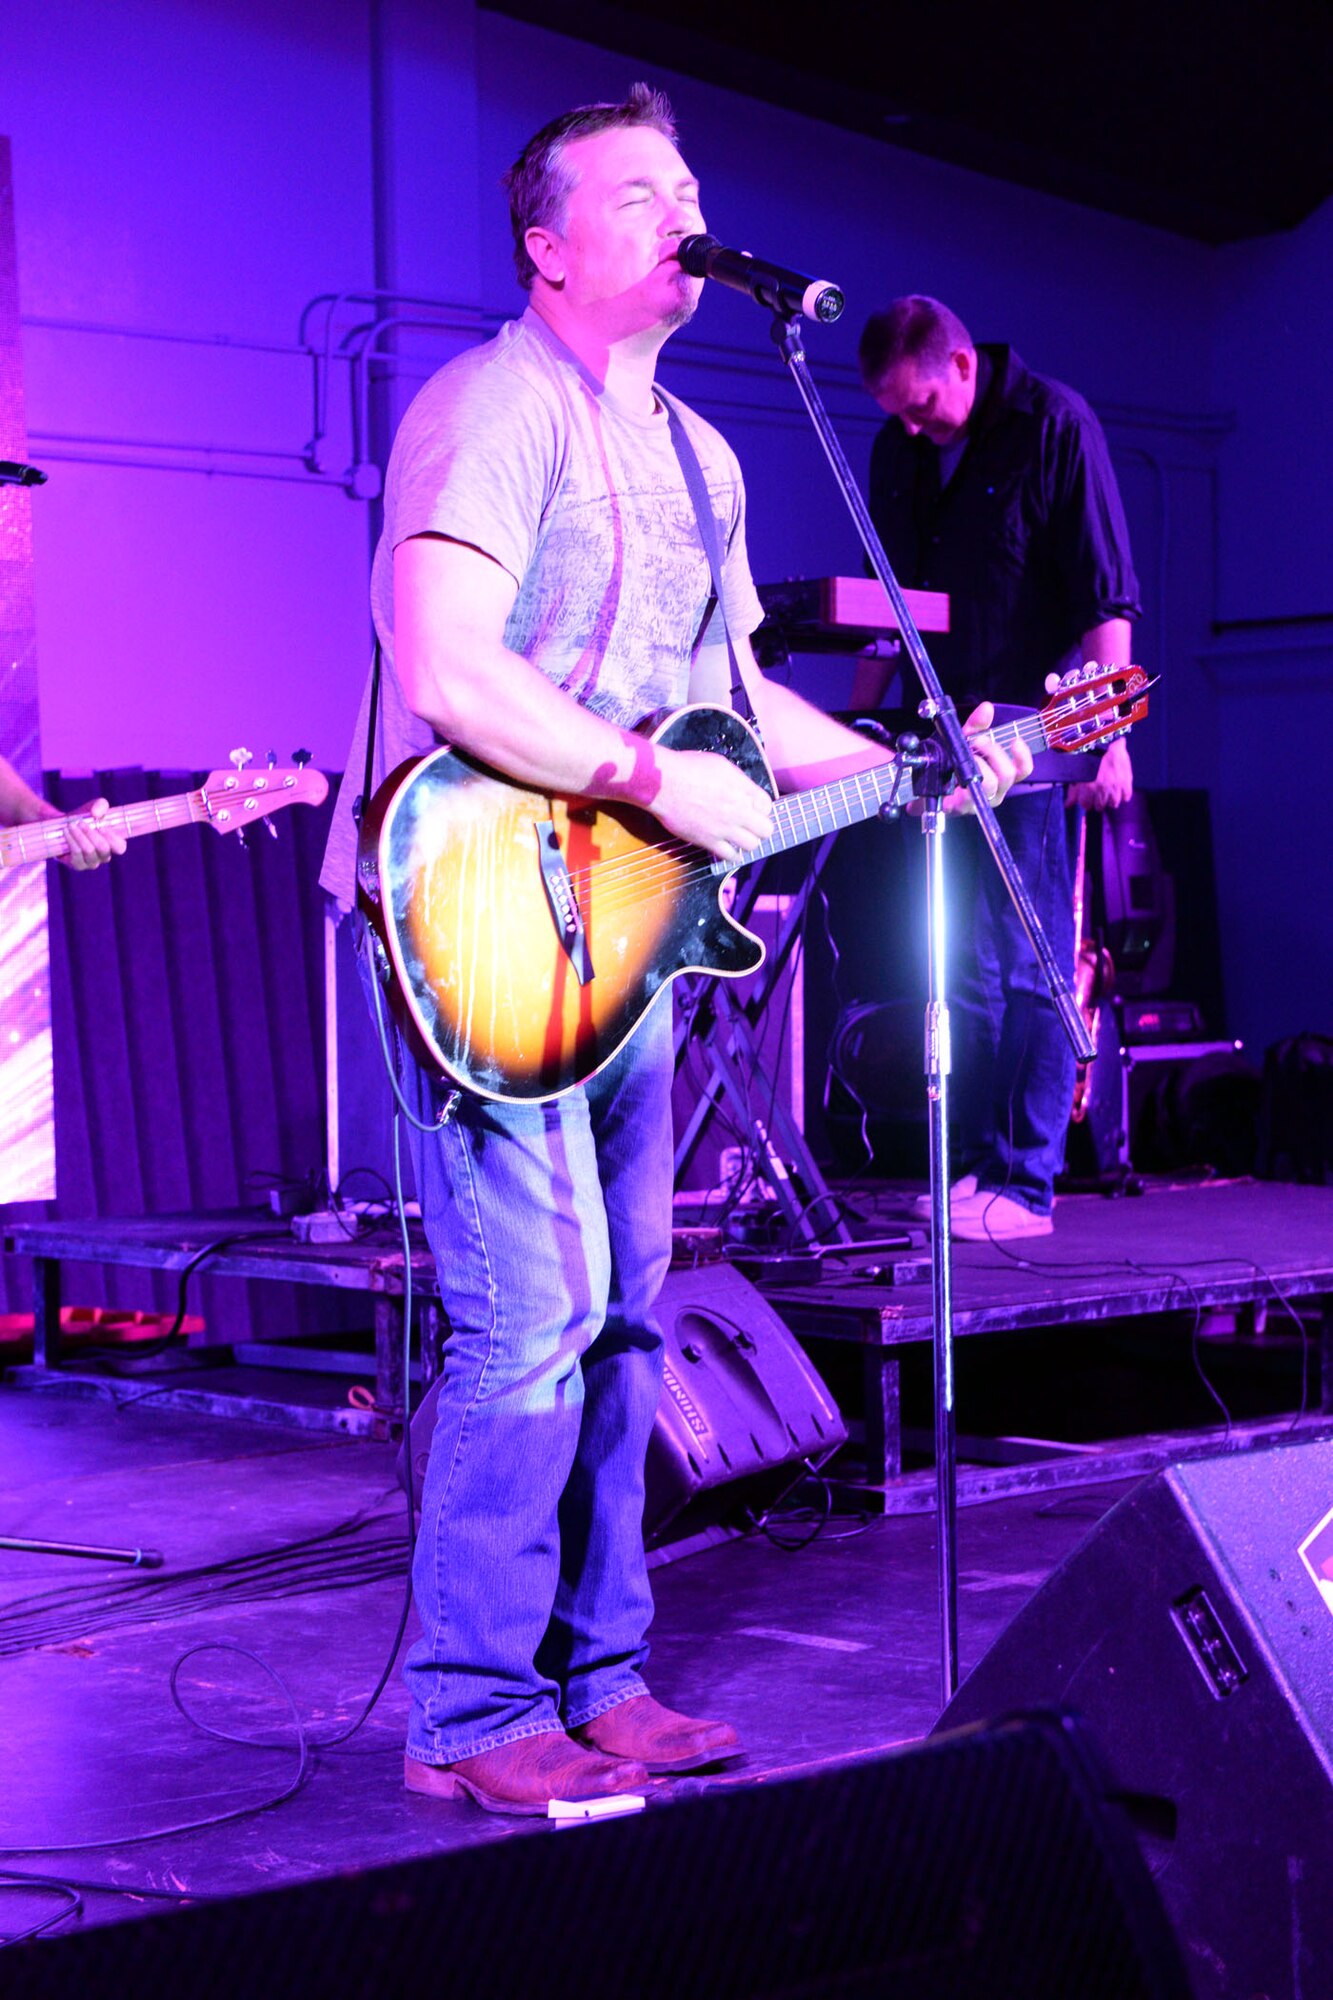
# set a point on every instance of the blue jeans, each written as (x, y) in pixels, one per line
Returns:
(551, 1230)
(1013, 1068)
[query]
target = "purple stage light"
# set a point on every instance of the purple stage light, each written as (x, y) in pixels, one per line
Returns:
(27, 1119)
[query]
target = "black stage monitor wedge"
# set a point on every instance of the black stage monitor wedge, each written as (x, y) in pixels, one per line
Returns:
(1193, 1629)
(743, 1410)
(985, 1867)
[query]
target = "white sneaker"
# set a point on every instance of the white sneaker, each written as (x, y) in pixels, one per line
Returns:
(995, 1218)
(960, 1191)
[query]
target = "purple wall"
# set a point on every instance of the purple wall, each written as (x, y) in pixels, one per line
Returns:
(1271, 670)
(189, 176)
(186, 178)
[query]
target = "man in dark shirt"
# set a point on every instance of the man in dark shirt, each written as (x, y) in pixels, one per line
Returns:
(995, 485)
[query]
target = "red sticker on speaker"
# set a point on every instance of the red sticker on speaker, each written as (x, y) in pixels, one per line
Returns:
(1316, 1552)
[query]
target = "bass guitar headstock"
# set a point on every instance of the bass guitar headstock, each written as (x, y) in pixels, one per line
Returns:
(1092, 704)
(230, 800)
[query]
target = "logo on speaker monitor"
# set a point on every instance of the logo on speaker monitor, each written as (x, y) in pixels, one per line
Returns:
(1316, 1552)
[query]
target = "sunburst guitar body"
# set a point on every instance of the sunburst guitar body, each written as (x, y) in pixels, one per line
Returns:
(525, 936)
(529, 934)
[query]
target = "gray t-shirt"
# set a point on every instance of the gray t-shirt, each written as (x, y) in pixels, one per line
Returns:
(515, 449)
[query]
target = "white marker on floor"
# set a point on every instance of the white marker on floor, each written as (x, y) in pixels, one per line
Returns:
(570, 1811)
(803, 1639)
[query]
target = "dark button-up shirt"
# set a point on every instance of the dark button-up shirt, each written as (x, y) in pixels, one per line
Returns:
(1028, 537)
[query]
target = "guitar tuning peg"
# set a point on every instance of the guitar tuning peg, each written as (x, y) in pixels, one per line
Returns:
(269, 828)
(300, 758)
(272, 759)
(240, 758)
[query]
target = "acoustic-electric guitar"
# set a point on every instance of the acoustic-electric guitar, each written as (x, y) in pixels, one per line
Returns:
(525, 936)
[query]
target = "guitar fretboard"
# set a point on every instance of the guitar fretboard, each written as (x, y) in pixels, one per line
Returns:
(47, 839)
(799, 817)
(228, 804)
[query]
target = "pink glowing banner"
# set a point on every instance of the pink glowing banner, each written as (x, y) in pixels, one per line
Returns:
(27, 1112)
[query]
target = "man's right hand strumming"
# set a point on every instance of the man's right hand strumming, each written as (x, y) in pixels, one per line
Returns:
(705, 799)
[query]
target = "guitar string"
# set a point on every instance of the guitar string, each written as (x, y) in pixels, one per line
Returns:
(663, 855)
(657, 866)
(623, 880)
(50, 834)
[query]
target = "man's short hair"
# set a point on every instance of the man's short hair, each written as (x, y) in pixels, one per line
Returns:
(541, 180)
(911, 329)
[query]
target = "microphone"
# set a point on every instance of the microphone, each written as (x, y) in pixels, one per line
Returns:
(781, 291)
(14, 474)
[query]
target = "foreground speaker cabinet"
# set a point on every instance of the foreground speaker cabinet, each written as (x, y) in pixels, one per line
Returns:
(1194, 1631)
(984, 1867)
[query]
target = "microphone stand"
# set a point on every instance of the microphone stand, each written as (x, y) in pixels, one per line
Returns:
(950, 756)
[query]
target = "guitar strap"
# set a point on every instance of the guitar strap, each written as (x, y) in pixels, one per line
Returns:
(375, 959)
(368, 786)
(697, 488)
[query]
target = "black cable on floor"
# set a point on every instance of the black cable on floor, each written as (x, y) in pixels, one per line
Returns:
(304, 1744)
(331, 1560)
(214, 1819)
(148, 1350)
(812, 1524)
(14, 1885)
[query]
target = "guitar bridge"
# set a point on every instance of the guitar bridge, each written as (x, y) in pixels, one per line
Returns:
(564, 903)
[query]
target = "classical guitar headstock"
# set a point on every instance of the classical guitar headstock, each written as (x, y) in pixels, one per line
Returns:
(233, 799)
(1091, 705)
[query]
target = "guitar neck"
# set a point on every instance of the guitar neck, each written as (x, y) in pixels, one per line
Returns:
(802, 816)
(48, 839)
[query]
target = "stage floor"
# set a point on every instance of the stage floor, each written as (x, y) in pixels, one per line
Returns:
(818, 1655)
(285, 1541)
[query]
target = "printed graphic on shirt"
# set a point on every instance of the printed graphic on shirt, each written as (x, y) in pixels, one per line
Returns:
(514, 450)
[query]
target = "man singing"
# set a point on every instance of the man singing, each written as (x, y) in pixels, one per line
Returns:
(539, 590)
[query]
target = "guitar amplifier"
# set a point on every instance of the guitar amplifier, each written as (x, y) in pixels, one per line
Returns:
(743, 1410)
(1157, 1020)
(1137, 1078)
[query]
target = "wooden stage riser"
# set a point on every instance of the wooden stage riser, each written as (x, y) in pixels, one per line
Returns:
(1281, 1237)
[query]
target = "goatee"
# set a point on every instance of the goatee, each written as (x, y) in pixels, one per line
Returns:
(683, 310)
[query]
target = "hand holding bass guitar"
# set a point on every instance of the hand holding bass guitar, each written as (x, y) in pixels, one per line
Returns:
(228, 801)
